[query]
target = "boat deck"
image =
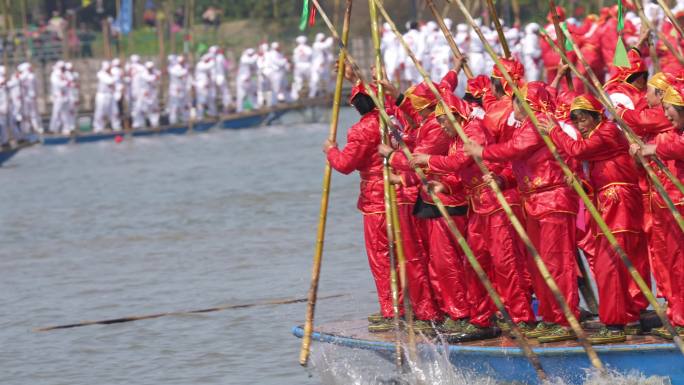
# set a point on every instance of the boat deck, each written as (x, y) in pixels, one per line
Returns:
(358, 330)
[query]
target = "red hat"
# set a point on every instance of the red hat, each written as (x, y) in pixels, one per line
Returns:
(587, 102)
(455, 104)
(636, 65)
(360, 89)
(538, 97)
(563, 103)
(420, 96)
(514, 69)
(559, 11)
(478, 85)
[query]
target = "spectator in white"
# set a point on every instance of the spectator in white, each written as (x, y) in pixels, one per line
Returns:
(105, 103)
(531, 53)
(263, 81)
(220, 70)
(4, 109)
(73, 92)
(18, 117)
(475, 52)
(244, 84)
(59, 98)
(390, 48)
(204, 86)
(319, 63)
(30, 99)
(416, 42)
(117, 72)
(301, 58)
(179, 95)
(133, 66)
(277, 67)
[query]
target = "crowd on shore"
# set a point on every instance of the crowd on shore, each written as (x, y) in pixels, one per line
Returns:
(444, 292)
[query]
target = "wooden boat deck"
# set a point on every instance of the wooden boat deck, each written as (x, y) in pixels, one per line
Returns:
(358, 330)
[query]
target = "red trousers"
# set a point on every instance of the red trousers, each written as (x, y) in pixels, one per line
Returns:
(619, 304)
(503, 256)
(446, 266)
(375, 234)
(553, 235)
(667, 245)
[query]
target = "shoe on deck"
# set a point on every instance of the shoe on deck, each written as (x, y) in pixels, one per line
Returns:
(473, 333)
(541, 329)
(450, 326)
(386, 325)
(556, 333)
(663, 333)
(607, 336)
(424, 327)
(634, 330)
(375, 318)
(525, 328)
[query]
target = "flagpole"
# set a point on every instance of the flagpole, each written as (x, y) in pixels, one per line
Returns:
(325, 194)
(561, 39)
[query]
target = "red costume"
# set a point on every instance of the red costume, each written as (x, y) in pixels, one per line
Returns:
(446, 263)
(550, 206)
(615, 183)
(622, 93)
(490, 234)
(360, 153)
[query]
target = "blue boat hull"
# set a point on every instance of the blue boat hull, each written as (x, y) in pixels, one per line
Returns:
(507, 363)
(5, 155)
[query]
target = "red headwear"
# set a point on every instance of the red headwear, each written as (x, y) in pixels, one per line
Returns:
(421, 96)
(478, 85)
(455, 104)
(360, 89)
(563, 102)
(636, 65)
(514, 69)
(538, 97)
(561, 14)
(587, 102)
(675, 95)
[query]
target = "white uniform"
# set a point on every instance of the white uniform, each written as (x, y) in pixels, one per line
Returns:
(416, 42)
(276, 69)
(117, 73)
(16, 106)
(146, 106)
(221, 80)
(29, 99)
(531, 53)
(390, 48)
(263, 82)
(301, 57)
(205, 87)
(320, 66)
(73, 95)
(245, 83)
(4, 108)
(179, 95)
(106, 109)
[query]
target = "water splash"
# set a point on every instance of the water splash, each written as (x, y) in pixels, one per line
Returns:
(337, 365)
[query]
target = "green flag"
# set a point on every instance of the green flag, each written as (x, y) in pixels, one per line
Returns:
(620, 59)
(305, 16)
(568, 42)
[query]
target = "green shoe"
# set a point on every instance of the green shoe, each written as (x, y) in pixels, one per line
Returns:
(662, 332)
(375, 318)
(386, 325)
(556, 333)
(634, 330)
(607, 336)
(424, 327)
(503, 325)
(473, 333)
(525, 328)
(541, 329)
(450, 326)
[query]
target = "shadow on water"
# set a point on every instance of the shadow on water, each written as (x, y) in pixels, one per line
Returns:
(338, 365)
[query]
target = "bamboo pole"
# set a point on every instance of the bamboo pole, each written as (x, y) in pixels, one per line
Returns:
(390, 193)
(645, 289)
(634, 138)
(572, 320)
(651, 47)
(499, 29)
(450, 39)
(119, 320)
(516, 13)
(325, 194)
(454, 230)
(122, 58)
(672, 17)
(561, 38)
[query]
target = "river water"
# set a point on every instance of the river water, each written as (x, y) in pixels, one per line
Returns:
(178, 223)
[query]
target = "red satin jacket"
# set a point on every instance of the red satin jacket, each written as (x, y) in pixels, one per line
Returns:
(670, 148)
(540, 179)
(361, 154)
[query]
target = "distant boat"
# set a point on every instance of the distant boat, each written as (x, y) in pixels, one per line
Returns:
(248, 119)
(500, 358)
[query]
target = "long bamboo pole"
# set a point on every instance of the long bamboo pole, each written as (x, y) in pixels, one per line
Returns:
(325, 194)
(450, 39)
(454, 230)
(609, 236)
(634, 138)
(587, 201)
(572, 320)
(499, 30)
(561, 38)
(672, 17)
(390, 193)
(651, 46)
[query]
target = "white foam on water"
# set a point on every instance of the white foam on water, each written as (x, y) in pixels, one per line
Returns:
(337, 365)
